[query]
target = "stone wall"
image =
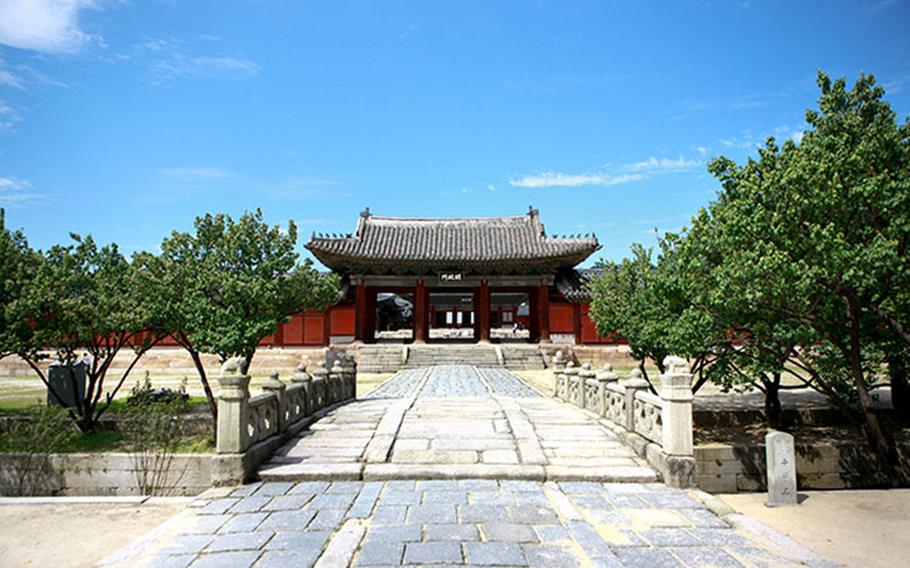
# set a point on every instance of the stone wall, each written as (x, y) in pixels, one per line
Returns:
(731, 468)
(110, 474)
(176, 361)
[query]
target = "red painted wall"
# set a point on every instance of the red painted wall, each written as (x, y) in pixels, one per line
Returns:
(341, 320)
(561, 318)
(589, 331)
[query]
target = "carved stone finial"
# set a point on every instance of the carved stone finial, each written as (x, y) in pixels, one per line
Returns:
(676, 365)
(586, 366)
(301, 367)
(273, 375)
(608, 368)
(636, 374)
(570, 364)
(232, 366)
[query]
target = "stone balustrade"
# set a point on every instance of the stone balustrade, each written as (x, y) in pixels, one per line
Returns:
(658, 426)
(250, 428)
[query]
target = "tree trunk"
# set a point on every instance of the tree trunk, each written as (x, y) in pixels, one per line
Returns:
(209, 395)
(900, 389)
(773, 410)
(882, 444)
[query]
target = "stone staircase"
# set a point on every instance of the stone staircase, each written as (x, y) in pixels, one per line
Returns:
(464, 354)
(393, 357)
(381, 358)
(523, 357)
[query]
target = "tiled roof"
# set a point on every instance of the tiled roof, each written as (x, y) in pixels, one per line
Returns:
(511, 245)
(573, 284)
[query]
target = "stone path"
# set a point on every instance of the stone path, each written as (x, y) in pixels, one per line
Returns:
(455, 466)
(456, 422)
(476, 522)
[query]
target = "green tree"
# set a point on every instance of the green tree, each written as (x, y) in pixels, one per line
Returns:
(751, 348)
(228, 285)
(623, 301)
(645, 303)
(17, 266)
(818, 234)
(83, 303)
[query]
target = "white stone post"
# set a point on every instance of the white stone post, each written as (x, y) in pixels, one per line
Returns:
(676, 392)
(349, 374)
(780, 453)
(583, 376)
(274, 385)
(633, 384)
(301, 376)
(233, 410)
(559, 361)
(336, 382)
(320, 386)
(604, 378)
(571, 380)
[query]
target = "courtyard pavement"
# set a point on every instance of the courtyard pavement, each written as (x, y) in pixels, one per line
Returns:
(458, 466)
(459, 522)
(457, 421)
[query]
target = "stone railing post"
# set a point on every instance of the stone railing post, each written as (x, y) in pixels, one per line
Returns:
(583, 375)
(320, 386)
(349, 378)
(559, 361)
(301, 376)
(559, 387)
(336, 382)
(604, 378)
(233, 410)
(676, 392)
(571, 379)
(633, 384)
(274, 385)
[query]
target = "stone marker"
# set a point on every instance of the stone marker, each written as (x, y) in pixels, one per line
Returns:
(781, 459)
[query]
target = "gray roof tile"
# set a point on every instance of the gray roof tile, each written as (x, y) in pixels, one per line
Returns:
(515, 244)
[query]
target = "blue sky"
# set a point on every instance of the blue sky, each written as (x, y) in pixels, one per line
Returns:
(127, 119)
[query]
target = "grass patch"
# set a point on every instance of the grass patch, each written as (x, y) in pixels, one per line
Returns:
(18, 405)
(21, 405)
(106, 441)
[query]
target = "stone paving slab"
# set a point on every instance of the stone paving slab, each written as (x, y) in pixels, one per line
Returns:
(457, 421)
(476, 522)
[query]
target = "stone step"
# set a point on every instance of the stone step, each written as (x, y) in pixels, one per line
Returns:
(329, 471)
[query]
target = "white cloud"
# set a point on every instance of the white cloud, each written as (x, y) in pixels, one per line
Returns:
(653, 164)
(746, 143)
(556, 179)
(7, 183)
(197, 172)
(179, 65)
(9, 78)
(50, 26)
(8, 117)
(16, 192)
(703, 150)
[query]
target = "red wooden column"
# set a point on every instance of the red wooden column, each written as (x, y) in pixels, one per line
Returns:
(360, 312)
(420, 312)
(482, 309)
(543, 312)
(576, 322)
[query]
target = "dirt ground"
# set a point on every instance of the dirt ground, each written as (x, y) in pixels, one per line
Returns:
(71, 535)
(868, 528)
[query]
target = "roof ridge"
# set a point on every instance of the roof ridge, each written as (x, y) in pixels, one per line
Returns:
(476, 218)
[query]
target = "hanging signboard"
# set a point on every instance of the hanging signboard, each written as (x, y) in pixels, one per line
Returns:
(451, 278)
